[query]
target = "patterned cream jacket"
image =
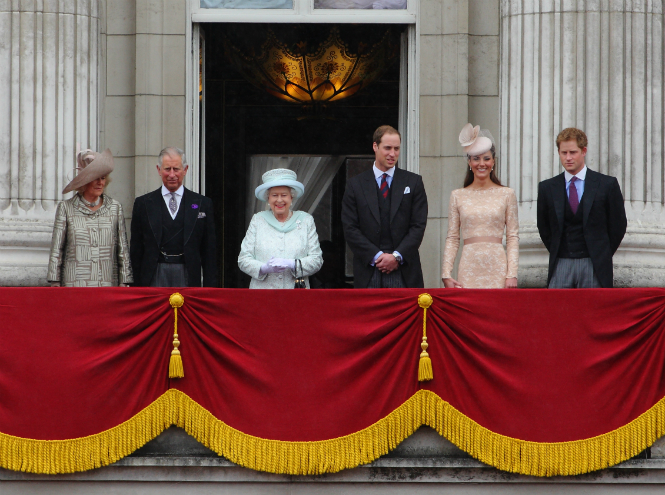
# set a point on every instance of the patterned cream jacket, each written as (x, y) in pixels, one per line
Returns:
(89, 249)
(262, 241)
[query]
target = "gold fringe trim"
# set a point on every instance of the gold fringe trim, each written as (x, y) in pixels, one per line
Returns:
(85, 453)
(329, 456)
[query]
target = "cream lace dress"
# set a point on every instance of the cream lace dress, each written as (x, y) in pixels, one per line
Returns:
(482, 213)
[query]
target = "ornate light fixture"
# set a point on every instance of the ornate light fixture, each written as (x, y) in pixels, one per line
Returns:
(326, 74)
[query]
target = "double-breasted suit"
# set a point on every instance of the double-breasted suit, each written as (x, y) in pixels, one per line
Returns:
(362, 223)
(199, 238)
(603, 219)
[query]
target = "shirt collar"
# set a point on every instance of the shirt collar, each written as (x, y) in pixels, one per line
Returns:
(179, 192)
(378, 173)
(581, 175)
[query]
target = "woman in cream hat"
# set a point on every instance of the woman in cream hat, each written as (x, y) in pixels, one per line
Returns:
(482, 210)
(89, 246)
(279, 241)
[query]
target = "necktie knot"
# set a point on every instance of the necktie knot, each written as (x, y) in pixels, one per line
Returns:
(573, 179)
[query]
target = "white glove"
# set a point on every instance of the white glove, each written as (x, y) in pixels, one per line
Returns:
(283, 263)
(272, 267)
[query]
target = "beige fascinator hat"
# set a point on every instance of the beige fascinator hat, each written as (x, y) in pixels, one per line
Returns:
(90, 166)
(279, 177)
(474, 141)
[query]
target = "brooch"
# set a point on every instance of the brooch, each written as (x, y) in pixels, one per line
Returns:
(195, 206)
(298, 223)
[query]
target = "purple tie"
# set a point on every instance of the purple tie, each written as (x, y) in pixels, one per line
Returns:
(572, 196)
(384, 186)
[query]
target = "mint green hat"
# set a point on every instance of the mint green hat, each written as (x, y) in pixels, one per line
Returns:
(279, 177)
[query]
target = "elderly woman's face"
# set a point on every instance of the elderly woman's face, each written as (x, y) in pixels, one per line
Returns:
(94, 189)
(279, 199)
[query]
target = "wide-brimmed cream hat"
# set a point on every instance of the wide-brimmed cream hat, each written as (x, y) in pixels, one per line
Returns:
(101, 165)
(278, 177)
(474, 141)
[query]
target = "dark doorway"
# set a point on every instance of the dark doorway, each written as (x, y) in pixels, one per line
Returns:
(243, 121)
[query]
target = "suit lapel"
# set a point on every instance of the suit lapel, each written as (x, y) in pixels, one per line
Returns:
(396, 192)
(153, 206)
(590, 189)
(191, 212)
(370, 189)
(559, 198)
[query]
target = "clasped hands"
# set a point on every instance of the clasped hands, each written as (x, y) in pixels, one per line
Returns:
(277, 265)
(386, 263)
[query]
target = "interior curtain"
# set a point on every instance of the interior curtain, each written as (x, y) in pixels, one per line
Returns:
(315, 172)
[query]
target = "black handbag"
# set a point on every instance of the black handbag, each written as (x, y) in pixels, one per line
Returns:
(300, 280)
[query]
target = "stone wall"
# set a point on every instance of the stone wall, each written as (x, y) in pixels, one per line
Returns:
(48, 106)
(144, 89)
(596, 65)
(459, 83)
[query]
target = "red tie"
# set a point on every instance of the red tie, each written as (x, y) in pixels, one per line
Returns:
(572, 195)
(384, 186)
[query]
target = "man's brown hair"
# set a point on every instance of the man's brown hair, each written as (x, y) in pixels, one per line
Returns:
(572, 134)
(384, 129)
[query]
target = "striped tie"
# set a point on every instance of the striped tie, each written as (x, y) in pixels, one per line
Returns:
(384, 186)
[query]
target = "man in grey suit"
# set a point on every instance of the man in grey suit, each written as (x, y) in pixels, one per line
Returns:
(384, 215)
(581, 219)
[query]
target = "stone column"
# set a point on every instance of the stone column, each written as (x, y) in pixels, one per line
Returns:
(596, 65)
(48, 104)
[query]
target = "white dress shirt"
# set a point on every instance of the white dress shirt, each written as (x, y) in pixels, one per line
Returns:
(178, 198)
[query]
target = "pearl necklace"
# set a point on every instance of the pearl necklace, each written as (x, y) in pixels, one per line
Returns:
(89, 204)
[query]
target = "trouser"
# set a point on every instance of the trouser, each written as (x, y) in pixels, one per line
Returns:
(574, 273)
(170, 275)
(392, 280)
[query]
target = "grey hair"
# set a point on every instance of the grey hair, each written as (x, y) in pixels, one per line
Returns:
(294, 193)
(172, 151)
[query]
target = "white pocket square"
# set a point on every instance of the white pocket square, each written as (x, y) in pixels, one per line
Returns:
(202, 214)
(407, 190)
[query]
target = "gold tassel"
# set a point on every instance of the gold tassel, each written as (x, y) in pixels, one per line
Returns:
(425, 372)
(176, 369)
